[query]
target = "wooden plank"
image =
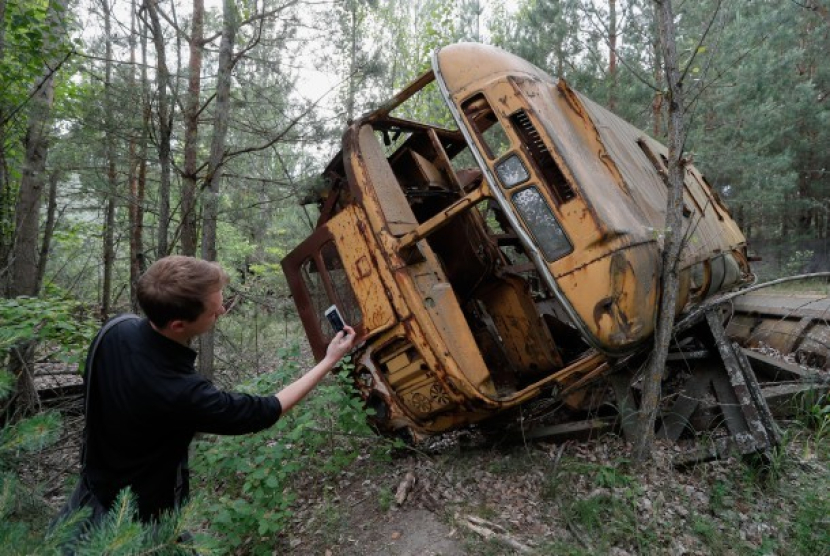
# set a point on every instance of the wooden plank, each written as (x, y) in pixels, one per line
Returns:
(578, 430)
(776, 369)
(676, 419)
(627, 409)
(749, 406)
(785, 400)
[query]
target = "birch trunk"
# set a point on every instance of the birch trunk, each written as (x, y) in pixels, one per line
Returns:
(191, 131)
(673, 235)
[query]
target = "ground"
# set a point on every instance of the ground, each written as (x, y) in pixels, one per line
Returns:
(460, 494)
(576, 498)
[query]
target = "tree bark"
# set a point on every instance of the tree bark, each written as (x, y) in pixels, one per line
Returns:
(673, 235)
(24, 251)
(49, 229)
(217, 154)
(27, 211)
(112, 178)
(191, 131)
(164, 127)
(6, 197)
(657, 101)
(352, 62)
(138, 162)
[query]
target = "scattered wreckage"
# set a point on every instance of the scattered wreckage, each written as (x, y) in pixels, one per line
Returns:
(509, 256)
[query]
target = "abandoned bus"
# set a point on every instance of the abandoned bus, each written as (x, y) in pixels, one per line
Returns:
(513, 252)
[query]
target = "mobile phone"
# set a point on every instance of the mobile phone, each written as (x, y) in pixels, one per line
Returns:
(335, 319)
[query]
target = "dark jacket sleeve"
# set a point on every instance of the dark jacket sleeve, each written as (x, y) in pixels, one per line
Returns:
(207, 409)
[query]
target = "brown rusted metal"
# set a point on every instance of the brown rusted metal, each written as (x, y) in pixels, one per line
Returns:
(511, 259)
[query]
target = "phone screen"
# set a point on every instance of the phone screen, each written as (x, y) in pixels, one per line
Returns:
(334, 318)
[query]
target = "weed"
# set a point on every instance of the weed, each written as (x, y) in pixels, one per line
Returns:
(811, 526)
(612, 477)
(720, 498)
(385, 498)
(607, 520)
(330, 522)
(486, 512)
(706, 530)
(258, 472)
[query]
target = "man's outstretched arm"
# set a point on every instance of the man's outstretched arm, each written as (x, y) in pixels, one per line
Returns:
(297, 390)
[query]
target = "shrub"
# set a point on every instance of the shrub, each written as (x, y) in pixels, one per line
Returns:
(250, 480)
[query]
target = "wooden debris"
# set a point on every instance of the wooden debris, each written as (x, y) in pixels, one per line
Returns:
(578, 430)
(404, 488)
(776, 369)
(492, 531)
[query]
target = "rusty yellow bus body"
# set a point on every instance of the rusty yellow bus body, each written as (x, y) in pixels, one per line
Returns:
(511, 257)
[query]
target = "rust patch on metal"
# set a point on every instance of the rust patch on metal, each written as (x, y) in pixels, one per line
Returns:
(475, 297)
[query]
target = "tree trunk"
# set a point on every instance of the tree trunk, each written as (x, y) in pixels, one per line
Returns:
(109, 122)
(6, 197)
(164, 127)
(138, 164)
(27, 211)
(24, 251)
(352, 64)
(191, 131)
(657, 102)
(217, 154)
(673, 235)
(49, 229)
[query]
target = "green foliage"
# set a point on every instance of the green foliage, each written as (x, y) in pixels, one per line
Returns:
(24, 33)
(28, 435)
(121, 533)
(258, 472)
(385, 498)
(56, 322)
(796, 262)
(810, 526)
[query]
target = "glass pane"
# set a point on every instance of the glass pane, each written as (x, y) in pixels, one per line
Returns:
(346, 301)
(512, 172)
(541, 222)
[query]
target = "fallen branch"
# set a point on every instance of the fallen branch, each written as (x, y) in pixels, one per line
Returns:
(404, 488)
(492, 531)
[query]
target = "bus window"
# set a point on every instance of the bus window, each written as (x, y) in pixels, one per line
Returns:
(541, 222)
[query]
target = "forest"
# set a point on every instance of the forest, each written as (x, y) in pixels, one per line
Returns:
(137, 129)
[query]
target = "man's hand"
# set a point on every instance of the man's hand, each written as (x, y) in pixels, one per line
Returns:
(341, 344)
(297, 390)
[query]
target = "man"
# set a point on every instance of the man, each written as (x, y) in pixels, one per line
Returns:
(146, 400)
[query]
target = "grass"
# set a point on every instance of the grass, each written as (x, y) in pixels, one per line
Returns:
(756, 506)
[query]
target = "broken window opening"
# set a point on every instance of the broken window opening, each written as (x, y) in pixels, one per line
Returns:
(315, 288)
(485, 124)
(509, 309)
(345, 298)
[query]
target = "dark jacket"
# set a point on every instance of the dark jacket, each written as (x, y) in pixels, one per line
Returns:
(146, 403)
